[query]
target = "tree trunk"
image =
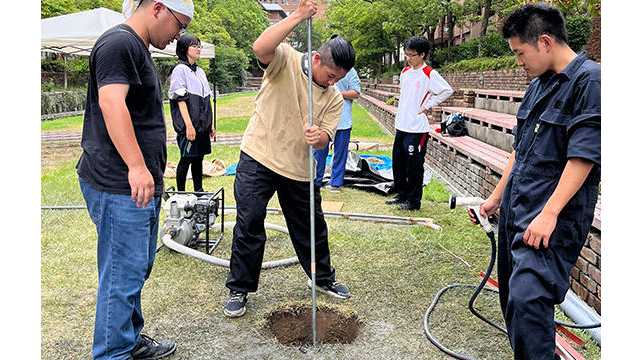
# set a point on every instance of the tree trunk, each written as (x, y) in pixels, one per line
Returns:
(397, 51)
(486, 13)
(450, 24)
(442, 21)
(430, 34)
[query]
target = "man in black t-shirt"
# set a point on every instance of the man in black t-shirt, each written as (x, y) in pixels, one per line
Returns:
(121, 171)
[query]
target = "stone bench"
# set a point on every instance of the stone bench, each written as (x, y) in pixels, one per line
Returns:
(503, 101)
(490, 127)
(382, 95)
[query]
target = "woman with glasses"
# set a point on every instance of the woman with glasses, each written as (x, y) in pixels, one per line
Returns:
(191, 108)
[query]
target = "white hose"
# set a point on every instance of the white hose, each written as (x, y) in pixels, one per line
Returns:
(170, 243)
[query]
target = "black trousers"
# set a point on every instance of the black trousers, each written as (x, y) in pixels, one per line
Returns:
(254, 185)
(409, 150)
(197, 172)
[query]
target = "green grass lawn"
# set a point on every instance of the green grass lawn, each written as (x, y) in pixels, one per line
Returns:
(232, 125)
(393, 272)
(365, 128)
(68, 123)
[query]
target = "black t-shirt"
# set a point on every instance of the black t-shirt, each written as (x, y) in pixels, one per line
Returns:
(120, 57)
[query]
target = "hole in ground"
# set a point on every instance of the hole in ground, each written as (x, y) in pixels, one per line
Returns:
(291, 325)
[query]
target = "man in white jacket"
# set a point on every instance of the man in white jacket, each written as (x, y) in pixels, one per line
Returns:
(421, 88)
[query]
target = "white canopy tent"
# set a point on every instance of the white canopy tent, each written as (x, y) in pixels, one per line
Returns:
(76, 33)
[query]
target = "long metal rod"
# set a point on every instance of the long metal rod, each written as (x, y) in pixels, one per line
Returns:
(373, 218)
(311, 175)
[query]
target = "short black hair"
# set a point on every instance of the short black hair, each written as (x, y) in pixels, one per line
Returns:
(420, 44)
(184, 43)
(338, 51)
(531, 21)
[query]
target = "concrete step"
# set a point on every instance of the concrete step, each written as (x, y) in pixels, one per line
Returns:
(503, 101)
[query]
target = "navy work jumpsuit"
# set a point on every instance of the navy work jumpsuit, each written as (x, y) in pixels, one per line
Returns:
(559, 119)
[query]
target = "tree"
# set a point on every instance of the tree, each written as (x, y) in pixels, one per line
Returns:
(244, 20)
(299, 36)
(377, 28)
(486, 14)
(49, 8)
(361, 22)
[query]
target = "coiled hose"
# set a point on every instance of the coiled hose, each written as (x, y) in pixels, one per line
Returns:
(472, 300)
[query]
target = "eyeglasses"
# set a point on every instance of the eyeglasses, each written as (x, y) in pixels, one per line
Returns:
(410, 55)
(182, 27)
(198, 46)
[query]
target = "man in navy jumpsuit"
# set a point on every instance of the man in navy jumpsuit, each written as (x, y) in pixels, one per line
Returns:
(548, 191)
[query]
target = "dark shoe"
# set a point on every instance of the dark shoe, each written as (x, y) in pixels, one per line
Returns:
(150, 349)
(336, 289)
(394, 201)
(235, 306)
(407, 206)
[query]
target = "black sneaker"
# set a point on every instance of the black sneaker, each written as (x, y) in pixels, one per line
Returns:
(407, 206)
(394, 201)
(150, 349)
(336, 289)
(235, 306)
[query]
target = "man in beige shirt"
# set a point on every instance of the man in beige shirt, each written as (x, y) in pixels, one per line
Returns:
(274, 155)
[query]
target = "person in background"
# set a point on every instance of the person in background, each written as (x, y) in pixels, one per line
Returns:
(191, 107)
(349, 87)
(421, 88)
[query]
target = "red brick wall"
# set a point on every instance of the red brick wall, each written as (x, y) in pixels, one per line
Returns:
(586, 274)
(510, 79)
(594, 43)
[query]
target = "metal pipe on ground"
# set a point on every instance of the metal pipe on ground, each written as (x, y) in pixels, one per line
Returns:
(383, 219)
(581, 313)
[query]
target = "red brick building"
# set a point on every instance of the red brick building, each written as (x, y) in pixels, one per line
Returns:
(274, 12)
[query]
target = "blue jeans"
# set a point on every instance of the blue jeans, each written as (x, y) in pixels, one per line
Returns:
(340, 154)
(126, 249)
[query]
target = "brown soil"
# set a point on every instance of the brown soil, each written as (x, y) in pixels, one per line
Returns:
(292, 326)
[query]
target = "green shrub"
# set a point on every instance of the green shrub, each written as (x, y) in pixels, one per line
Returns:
(481, 64)
(578, 31)
(228, 68)
(47, 86)
(493, 45)
(393, 70)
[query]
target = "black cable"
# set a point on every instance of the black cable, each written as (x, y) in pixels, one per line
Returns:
(472, 300)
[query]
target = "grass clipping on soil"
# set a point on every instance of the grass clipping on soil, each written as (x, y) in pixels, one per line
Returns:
(290, 323)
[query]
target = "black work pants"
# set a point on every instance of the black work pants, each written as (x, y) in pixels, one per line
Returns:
(254, 185)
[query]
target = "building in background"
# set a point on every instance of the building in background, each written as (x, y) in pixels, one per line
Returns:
(273, 8)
